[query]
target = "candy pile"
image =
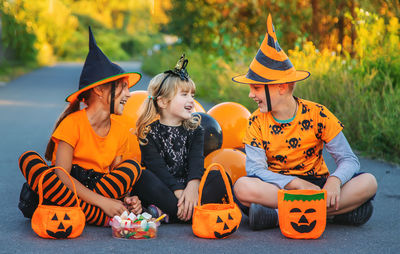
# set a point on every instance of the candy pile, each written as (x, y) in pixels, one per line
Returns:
(130, 226)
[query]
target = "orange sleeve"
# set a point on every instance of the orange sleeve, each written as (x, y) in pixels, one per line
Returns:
(67, 131)
(330, 124)
(253, 136)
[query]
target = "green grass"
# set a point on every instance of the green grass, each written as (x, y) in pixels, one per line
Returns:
(370, 116)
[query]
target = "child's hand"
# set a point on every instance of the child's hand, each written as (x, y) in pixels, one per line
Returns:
(178, 193)
(188, 200)
(134, 204)
(332, 187)
(112, 207)
(300, 184)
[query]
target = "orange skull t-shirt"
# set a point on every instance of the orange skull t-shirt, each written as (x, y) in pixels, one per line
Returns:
(91, 151)
(294, 148)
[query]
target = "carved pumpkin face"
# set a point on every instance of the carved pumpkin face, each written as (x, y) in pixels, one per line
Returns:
(228, 226)
(302, 213)
(303, 225)
(61, 225)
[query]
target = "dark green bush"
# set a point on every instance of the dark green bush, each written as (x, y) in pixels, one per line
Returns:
(17, 40)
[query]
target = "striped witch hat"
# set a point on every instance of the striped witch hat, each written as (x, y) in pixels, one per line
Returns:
(271, 65)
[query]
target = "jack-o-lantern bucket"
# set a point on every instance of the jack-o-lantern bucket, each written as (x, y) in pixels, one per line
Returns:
(57, 222)
(216, 220)
(302, 213)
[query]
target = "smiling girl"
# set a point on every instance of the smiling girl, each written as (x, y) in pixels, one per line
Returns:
(89, 144)
(171, 142)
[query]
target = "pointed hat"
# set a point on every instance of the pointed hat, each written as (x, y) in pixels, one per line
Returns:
(98, 70)
(271, 65)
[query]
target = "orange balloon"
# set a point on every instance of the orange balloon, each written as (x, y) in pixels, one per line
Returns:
(233, 119)
(233, 161)
(132, 106)
(133, 149)
(198, 107)
(129, 117)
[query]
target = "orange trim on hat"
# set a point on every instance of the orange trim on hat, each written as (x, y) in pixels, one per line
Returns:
(296, 76)
(133, 77)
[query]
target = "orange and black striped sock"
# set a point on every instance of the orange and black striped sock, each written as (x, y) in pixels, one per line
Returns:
(54, 190)
(94, 215)
(116, 185)
(119, 181)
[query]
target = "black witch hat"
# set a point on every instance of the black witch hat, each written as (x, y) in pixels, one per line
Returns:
(98, 70)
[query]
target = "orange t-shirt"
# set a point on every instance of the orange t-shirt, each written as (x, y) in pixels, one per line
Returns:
(294, 148)
(91, 151)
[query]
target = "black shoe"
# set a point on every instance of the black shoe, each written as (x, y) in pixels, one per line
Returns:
(261, 217)
(28, 201)
(357, 217)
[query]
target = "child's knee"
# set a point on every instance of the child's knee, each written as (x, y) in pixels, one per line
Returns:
(365, 185)
(31, 165)
(29, 157)
(371, 183)
(242, 189)
(132, 169)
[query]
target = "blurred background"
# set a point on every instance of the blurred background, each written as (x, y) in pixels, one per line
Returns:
(350, 47)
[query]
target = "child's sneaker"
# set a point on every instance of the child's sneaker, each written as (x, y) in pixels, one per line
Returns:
(156, 212)
(357, 217)
(261, 217)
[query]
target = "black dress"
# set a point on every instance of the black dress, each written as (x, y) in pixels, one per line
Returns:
(172, 157)
(174, 154)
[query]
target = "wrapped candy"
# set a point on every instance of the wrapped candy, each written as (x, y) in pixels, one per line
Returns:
(124, 215)
(146, 216)
(130, 226)
(132, 217)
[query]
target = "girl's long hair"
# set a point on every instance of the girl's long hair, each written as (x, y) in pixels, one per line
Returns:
(71, 108)
(149, 111)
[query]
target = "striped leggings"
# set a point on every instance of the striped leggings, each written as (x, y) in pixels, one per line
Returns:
(115, 184)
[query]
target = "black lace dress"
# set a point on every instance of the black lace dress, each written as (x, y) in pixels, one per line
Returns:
(174, 154)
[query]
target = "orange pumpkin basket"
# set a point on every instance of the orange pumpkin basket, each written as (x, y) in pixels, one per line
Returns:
(57, 222)
(216, 220)
(302, 213)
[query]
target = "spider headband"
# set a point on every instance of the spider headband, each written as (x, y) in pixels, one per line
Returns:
(179, 71)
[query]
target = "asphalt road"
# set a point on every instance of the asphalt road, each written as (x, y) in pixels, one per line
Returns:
(29, 107)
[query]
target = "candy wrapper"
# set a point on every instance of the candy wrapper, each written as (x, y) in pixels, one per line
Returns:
(130, 226)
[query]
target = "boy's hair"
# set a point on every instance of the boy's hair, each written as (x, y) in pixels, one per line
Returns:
(149, 111)
(71, 108)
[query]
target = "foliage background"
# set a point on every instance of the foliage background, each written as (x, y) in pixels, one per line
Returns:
(45, 31)
(351, 47)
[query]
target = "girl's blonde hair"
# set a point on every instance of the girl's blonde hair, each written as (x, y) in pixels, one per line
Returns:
(149, 111)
